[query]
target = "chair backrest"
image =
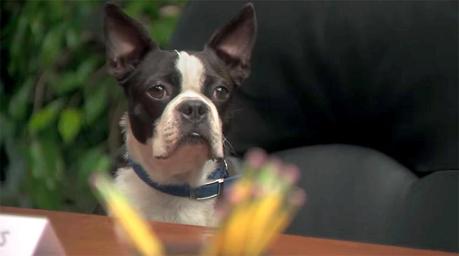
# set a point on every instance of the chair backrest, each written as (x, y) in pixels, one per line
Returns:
(353, 192)
(359, 194)
(429, 214)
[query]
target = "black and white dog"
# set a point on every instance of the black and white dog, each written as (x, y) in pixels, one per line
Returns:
(176, 104)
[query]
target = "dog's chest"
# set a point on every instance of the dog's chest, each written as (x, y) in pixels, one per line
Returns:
(158, 206)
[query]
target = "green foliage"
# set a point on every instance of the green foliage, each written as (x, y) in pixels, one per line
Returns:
(59, 110)
(69, 124)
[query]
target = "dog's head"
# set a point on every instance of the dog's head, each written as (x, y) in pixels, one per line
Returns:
(176, 99)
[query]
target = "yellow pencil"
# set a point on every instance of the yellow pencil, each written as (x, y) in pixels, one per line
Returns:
(275, 185)
(258, 207)
(240, 193)
(229, 237)
(136, 228)
(237, 231)
(266, 210)
(280, 223)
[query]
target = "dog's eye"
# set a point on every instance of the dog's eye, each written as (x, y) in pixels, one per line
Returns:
(157, 92)
(221, 93)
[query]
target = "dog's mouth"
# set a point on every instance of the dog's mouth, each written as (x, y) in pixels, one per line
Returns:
(191, 139)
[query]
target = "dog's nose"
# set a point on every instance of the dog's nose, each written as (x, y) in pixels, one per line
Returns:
(193, 110)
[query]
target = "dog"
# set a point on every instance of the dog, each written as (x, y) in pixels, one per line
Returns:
(177, 102)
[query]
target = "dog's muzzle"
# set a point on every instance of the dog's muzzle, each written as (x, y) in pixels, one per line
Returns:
(194, 120)
(189, 121)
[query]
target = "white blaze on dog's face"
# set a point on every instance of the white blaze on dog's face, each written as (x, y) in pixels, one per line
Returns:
(177, 99)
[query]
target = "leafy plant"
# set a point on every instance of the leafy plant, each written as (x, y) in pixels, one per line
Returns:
(59, 110)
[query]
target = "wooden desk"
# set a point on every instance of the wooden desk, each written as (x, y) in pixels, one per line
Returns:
(82, 234)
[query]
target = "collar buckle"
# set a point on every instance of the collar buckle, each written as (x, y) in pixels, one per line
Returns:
(218, 182)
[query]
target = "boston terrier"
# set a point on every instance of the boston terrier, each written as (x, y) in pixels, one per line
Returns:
(176, 107)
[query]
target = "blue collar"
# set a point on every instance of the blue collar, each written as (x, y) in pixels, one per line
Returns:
(214, 188)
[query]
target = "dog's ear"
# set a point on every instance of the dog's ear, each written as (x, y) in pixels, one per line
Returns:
(233, 42)
(126, 41)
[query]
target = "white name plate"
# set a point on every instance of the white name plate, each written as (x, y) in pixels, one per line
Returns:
(25, 236)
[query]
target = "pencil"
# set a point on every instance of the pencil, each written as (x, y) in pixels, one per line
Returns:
(279, 223)
(258, 207)
(265, 208)
(136, 228)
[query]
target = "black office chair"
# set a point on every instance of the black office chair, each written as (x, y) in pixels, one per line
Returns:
(374, 86)
(429, 213)
(359, 194)
(353, 192)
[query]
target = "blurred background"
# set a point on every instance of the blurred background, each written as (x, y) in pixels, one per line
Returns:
(59, 109)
